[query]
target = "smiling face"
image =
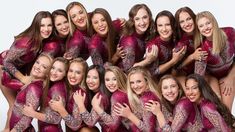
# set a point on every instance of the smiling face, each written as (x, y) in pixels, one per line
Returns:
(186, 22)
(62, 25)
(75, 73)
(164, 28)
(205, 27)
(100, 24)
(78, 17)
(41, 67)
(170, 89)
(141, 21)
(93, 80)
(111, 81)
(192, 91)
(46, 27)
(138, 83)
(57, 71)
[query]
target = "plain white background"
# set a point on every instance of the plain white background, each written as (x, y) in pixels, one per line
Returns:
(16, 16)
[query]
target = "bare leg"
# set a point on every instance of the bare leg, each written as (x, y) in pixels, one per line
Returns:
(214, 83)
(10, 97)
(181, 79)
(89, 129)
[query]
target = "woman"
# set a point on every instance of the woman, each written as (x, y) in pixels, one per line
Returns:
(96, 91)
(49, 120)
(167, 57)
(103, 43)
(76, 79)
(140, 89)
(137, 31)
(219, 44)
(23, 52)
(56, 45)
(79, 37)
(115, 82)
(185, 116)
(214, 114)
(30, 95)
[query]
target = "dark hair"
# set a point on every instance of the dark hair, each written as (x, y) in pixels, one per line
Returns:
(177, 21)
(58, 12)
(165, 102)
(130, 26)
(111, 35)
(172, 22)
(102, 89)
(208, 94)
(33, 31)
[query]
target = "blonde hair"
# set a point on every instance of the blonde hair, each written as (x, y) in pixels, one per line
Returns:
(132, 97)
(85, 66)
(219, 38)
(72, 26)
(120, 75)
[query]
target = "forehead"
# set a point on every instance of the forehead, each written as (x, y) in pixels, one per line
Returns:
(44, 60)
(136, 76)
(46, 20)
(141, 12)
(168, 81)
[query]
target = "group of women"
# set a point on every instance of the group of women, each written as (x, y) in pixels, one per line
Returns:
(174, 73)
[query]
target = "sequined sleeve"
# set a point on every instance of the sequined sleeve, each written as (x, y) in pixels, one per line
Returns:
(90, 118)
(181, 113)
(112, 120)
(18, 49)
(73, 121)
(57, 90)
(75, 44)
(209, 111)
(33, 95)
(200, 67)
(129, 45)
(95, 50)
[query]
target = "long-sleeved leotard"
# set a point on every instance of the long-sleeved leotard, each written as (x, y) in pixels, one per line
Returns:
(77, 45)
(92, 118)
(211, 119)
(53, 118)
(187, 41)
(148, 121)
(218, 65)
(98, 50)
(164, 53)
(186, 117)
(54, 47)
(134, 47)
(73, 120)
(115, 122)
(29, 95)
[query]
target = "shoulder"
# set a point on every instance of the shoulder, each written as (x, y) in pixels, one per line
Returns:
(95, 40)
(128, 40)
(206, 105)
(184, 103)
(22, 42)
(119, 96)
(148, 95)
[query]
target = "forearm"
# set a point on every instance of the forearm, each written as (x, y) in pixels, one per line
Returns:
(166, 66)
(39, 116)
(161, 119)
(187, 61)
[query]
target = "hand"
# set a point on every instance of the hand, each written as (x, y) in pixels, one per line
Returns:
(227, 85)
(79, 98)
(152, 54)
(153, 106)
(122, 21)
(56, 105)
(68, 55)
(120, 53)
(177, 56)
(122, 110)
(28, 110)
(199, 54)
(96, 102)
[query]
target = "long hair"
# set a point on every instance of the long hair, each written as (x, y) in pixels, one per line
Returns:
(111, 35)
(47, 87)
(188, 10)
(132, 97)
(165, 102)
(219, 38)
(208, 94)
(120, 76)
(58, 12)
(33, 31)
(129, 27)
(71, 24)
(172, 22)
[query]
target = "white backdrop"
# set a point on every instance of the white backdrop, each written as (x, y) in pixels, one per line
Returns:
(16, 16)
